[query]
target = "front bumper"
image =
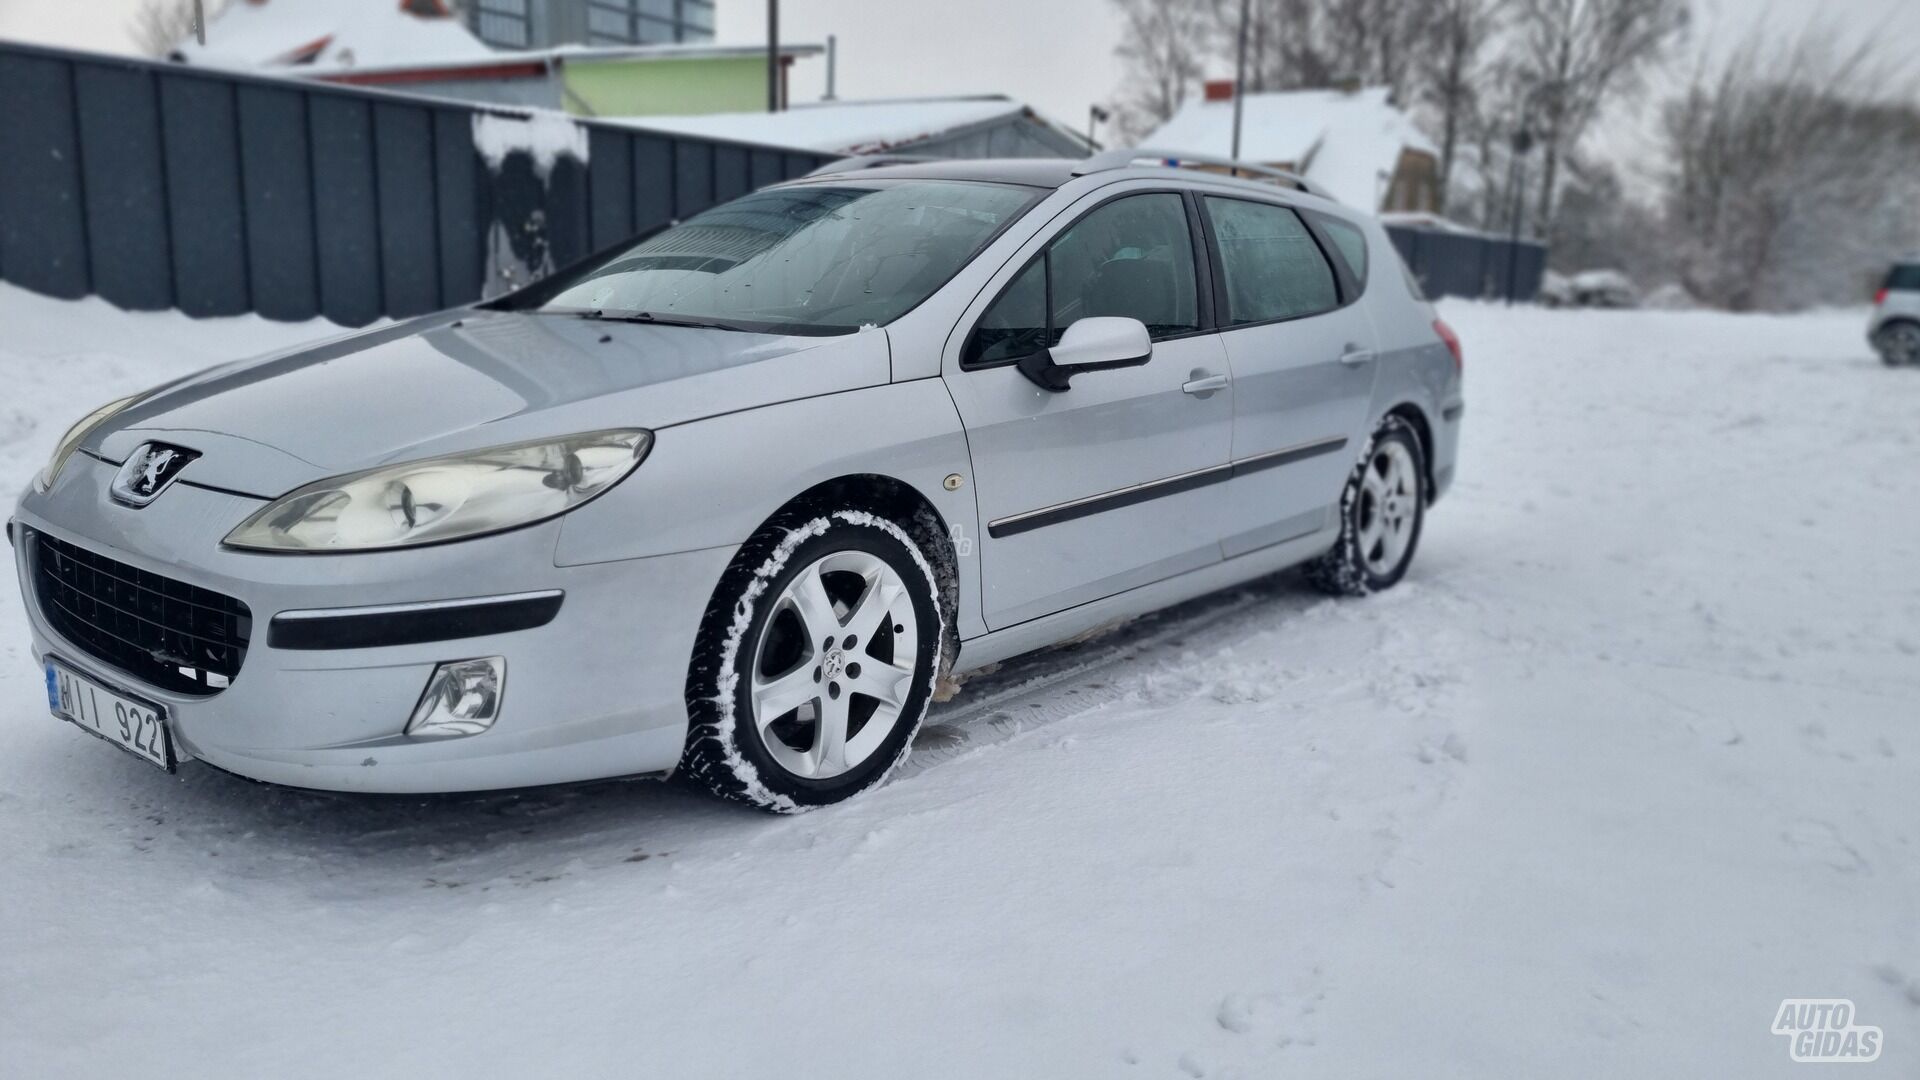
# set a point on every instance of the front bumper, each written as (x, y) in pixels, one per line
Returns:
(597, 692)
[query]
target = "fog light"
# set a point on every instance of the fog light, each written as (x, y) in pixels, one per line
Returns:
(462, 698)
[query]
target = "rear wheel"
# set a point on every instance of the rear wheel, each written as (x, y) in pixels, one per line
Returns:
(815, 664)
(1900, 344)
(1381, 511)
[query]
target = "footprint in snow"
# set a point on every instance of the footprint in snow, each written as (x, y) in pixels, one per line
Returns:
(1909, 988)
(1453, 746)
(1823, 842)
(1248, 1014)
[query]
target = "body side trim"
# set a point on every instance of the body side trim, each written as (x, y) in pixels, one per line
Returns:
(1015, 524)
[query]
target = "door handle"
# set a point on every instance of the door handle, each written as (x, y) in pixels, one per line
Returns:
(1203, 384)
(1355, 356)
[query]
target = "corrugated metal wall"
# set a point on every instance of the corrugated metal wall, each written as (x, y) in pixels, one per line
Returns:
(1471, 265)
(158, 186)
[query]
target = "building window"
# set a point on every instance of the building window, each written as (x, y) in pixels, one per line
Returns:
(648, 22)
(505, 23)
(609, 22)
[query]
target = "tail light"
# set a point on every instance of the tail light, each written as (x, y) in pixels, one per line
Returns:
(1880, 298)
(1453, 343)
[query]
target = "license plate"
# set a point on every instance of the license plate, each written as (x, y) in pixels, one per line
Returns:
(129, 723)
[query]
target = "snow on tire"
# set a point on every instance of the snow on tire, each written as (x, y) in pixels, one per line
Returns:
(1381, 511)
(815, 663)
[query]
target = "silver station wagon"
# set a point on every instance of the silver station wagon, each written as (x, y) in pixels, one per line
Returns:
(736, 501)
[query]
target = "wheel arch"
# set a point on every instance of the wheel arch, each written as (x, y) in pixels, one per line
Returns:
(1416, 418)
(903, 504)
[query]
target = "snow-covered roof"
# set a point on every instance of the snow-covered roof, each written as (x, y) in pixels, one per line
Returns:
(329, 34)
(1345, 141)
(846, 127)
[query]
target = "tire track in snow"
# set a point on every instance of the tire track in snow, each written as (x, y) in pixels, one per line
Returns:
(1038, 689)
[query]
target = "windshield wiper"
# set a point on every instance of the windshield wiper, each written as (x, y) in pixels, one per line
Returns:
(654, 318)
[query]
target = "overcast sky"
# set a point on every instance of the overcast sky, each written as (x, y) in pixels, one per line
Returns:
(1054, 54)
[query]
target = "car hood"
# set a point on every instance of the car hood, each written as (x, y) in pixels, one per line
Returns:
(467, 380)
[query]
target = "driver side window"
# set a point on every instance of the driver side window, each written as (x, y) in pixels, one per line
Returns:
(1132, 257)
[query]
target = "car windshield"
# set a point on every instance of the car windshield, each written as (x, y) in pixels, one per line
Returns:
(809, 259)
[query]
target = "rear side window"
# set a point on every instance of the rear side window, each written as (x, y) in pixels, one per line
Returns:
(1131, 257)
(1273, 267)
(1905, 278)
(1350, 242)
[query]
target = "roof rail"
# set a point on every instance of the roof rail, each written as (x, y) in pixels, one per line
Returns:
(1175, 159)
(867, 161)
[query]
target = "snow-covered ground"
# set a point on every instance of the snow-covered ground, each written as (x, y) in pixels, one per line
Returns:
(1630, 757)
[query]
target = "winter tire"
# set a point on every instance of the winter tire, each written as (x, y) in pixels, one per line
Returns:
(1381, 511)
(815, 662)
(1899, 344)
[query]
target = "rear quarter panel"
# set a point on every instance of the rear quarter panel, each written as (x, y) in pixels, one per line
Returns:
(1415, 366)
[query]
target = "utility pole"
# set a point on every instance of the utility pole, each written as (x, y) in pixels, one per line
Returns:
(1240, 78)
(833, 56)
(1522, 146)
(773, 55)
(199, 22)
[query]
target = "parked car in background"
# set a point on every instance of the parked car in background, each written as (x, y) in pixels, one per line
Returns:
(732, 500)
(1895, 328)
(1555, 290)
(1603, 289)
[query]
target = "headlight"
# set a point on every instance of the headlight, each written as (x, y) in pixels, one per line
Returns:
(75, 436)
(447, 498)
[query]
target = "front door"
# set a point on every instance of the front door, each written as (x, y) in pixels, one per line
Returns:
(1302, 356)
(1115, 482)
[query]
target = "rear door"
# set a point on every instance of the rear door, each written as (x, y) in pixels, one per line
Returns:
(1118, 481)
(1301, 351)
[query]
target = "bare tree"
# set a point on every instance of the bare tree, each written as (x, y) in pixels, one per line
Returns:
(1576, 56)
(1602, 226)
(1376, 40)
(1452, 70)
(1163, 47)
(1793, 171)
(1316, 43)
(159, 26)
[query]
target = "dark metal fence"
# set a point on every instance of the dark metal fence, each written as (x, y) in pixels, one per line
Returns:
(1471, 264)
(158, 186)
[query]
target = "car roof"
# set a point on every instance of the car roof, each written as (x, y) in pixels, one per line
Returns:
(1032, 172)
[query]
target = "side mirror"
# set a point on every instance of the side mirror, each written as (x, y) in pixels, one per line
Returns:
(1093, 344)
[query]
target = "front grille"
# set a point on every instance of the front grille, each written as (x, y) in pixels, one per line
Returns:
(172, 635)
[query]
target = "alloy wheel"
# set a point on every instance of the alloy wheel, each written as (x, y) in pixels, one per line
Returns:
(834, 664)
(1389, 507)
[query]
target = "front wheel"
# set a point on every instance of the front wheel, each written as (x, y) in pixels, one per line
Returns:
(1381, 511)
(815, 664)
